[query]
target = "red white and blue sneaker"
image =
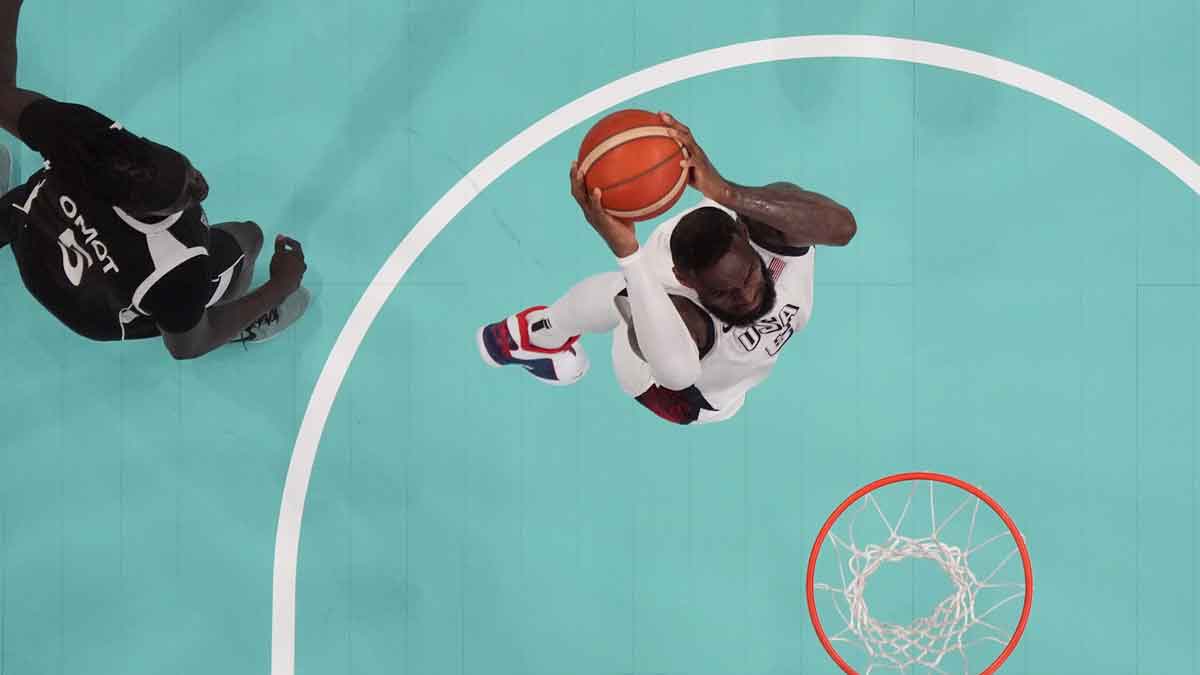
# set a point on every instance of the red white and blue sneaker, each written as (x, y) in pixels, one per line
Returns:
(507, 343)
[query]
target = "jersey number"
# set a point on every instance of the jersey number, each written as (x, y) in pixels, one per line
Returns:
(75, 259)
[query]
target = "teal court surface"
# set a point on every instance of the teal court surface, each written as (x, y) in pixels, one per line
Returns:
(1019, 309)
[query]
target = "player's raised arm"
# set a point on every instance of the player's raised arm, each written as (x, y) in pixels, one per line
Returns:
(664, 337)
(221, 323)
(13, 101)
(792, 215)
(782, 212)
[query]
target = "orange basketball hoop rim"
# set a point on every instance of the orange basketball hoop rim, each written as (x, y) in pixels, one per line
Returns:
(918, 476)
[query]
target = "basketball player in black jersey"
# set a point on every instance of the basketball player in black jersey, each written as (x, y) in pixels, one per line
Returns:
(109, 235)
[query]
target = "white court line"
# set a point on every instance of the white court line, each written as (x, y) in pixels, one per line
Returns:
(291, 511)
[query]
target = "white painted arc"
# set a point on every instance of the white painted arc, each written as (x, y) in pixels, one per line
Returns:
(287, 535)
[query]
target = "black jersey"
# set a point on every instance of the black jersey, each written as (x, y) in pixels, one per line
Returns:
(103, 273)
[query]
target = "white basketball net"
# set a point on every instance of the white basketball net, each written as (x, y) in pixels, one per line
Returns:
(928, 640)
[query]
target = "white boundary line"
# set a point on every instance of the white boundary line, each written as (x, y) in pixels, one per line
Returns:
(291, 512)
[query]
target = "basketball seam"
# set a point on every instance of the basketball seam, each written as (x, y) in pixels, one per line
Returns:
(625, 181)
(617, 140)
(673, 194)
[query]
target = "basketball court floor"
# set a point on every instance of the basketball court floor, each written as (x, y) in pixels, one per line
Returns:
(1019, 309)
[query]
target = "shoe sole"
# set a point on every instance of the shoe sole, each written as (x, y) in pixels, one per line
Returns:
(487, 358)
(483, 351)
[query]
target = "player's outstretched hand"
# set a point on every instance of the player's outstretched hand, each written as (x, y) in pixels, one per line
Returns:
(704, 176)
(287, 264)
(618, 234)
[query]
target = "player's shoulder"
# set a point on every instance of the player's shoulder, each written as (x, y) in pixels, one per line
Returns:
(179, 299)
(183, 284)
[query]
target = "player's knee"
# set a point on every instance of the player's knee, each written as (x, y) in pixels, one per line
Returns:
(254, 237)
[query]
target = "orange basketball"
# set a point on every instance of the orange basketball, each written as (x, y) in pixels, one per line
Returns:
(630, 157)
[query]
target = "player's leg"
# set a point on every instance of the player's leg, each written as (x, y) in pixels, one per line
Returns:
(544, 340)
(588, 307)
(636, 380)
(233, 251)
(6, 169)
(688, 406)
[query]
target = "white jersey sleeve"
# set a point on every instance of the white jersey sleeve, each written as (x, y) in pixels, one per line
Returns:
(663, 336)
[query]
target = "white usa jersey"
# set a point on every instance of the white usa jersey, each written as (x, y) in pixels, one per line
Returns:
(741, 356)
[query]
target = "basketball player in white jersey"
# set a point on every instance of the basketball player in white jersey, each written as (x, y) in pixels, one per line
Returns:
(699, 313)
(109, 236)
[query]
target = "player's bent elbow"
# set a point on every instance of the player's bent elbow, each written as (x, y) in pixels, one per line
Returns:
(184, 346)
(180, 354)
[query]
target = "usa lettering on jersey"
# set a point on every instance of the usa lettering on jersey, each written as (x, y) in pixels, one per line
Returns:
(778, 328)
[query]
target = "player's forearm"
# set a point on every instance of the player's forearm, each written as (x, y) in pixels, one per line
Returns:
(802, 215)
(9, 11)
(13, 101)
(662, 336)
(227, 320)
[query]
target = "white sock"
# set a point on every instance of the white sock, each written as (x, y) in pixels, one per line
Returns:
(587, 308)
